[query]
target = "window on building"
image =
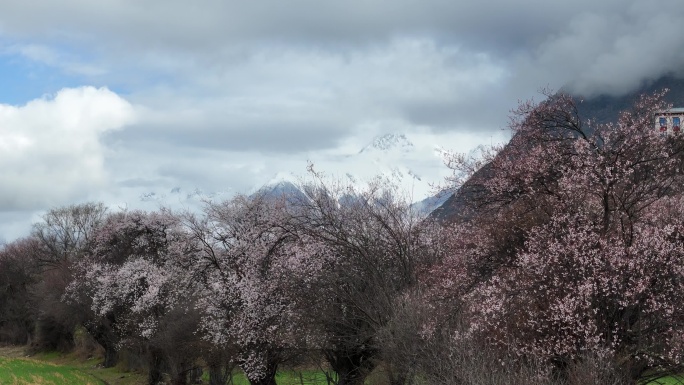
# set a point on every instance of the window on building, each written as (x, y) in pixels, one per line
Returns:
(675, 124)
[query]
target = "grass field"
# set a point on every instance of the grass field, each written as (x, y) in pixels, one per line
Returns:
(51, 368)
(29, 371)
(57, 368)
(20, 371)
(669, 380)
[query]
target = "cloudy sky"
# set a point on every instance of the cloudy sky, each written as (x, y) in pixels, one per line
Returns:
(119, 100)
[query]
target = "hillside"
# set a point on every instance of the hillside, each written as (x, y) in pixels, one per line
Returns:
(601, 108)
(605, 108)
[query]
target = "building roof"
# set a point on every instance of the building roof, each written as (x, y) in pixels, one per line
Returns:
(676, 110)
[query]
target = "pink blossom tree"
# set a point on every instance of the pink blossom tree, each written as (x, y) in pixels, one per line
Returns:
(134, 281)
(555, 160)
(242, 264)
(572, 291)
(574, 230)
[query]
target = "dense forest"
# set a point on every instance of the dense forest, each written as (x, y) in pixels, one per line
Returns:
(563, 265)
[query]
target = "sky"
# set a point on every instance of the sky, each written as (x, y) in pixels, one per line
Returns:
(135, 102)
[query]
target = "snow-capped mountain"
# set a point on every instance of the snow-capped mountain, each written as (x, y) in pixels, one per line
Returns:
(409, 167)
(432, 203)
(389, 143)
(289, 190)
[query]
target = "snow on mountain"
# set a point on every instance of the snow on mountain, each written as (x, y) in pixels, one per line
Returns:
(281, 189)
(387, 143)
(409, 166)
(179, 198)
(431, 203)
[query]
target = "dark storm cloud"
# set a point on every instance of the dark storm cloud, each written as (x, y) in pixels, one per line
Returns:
(611, 52)
(210, 23)
(591, 46)
(596, 44)
(195, 26)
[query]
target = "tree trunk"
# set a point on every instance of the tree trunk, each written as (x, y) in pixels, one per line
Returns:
(155, 375)
(195, 375)
(218, 375)
(180, 376)
(352, 367)
(111, 356)
(102, 333)
(186, 373)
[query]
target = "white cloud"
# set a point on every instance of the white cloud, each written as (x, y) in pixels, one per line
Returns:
(228, 94)
(50, 148)
(233, 128)
(291, 99)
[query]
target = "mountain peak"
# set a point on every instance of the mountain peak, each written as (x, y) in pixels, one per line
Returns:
(389, 142)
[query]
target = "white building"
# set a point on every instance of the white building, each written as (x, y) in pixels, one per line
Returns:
(670, 121)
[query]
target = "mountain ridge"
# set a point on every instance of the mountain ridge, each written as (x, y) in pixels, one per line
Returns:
(602, 108)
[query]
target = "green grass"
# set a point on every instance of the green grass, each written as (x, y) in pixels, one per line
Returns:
(668, 380)
(297, 378)
(20, 371)
(88, 368)
(93, 367)
(57, 369)
(52, 367)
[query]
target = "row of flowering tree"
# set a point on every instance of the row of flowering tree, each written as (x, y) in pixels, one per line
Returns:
(255, 282)
(567, 252)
